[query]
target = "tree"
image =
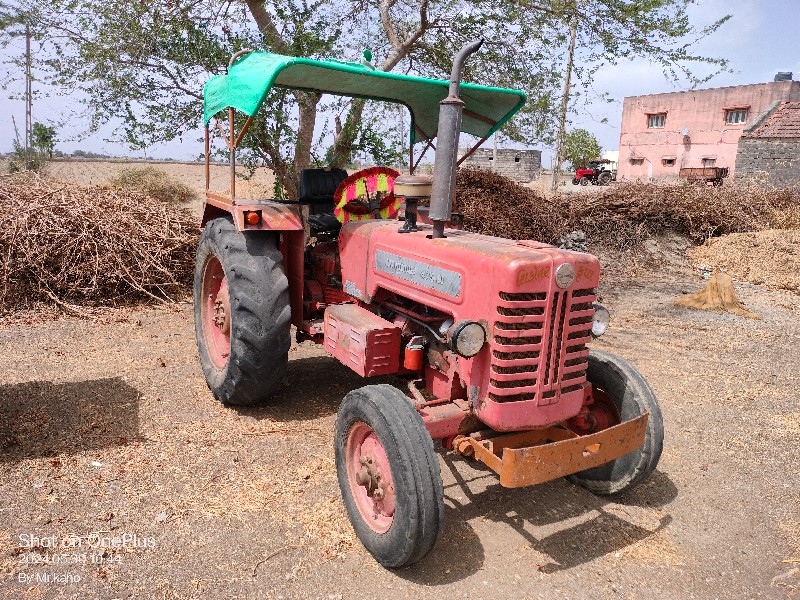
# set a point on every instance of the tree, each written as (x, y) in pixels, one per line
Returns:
(143, 64)
(580, 146)
(43, 139)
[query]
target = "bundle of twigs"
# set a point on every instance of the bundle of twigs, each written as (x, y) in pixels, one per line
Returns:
(73, 245)
(623, 215)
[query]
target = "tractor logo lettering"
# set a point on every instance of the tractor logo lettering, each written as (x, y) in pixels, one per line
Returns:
(398, 267)
(431, 277)
(536, 274)
(586, 273)
(421, 273)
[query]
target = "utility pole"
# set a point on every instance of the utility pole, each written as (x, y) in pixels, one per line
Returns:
(562, 125)
(28, 93)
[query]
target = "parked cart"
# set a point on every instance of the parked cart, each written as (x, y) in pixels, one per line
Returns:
(713, 175)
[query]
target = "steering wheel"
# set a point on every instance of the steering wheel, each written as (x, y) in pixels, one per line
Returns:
(367, 194)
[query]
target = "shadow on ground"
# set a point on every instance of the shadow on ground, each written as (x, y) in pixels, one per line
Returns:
(312, 388)
(567, 524)
(41, 418)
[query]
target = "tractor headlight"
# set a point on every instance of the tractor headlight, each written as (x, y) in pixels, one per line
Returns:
(600, 320)
(467, 338)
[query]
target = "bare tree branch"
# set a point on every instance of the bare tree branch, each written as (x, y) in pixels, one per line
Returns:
(266, 25)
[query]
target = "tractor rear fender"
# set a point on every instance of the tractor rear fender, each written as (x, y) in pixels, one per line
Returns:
(272, 216)
(280, 218)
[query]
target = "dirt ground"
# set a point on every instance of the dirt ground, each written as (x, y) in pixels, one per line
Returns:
(119, 468)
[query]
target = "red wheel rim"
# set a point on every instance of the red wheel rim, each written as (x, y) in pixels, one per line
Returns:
(600, 412)
(370, 477)
(215, 313)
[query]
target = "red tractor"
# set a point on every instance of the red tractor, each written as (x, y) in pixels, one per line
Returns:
(596, 173)
(486, 338)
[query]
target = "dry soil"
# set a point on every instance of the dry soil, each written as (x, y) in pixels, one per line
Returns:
(107, 430)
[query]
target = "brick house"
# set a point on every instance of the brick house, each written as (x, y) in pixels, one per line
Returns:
(519, 165)
(769, 149)
(661, 133)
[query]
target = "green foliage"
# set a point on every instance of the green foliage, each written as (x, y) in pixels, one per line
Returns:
(155, 183)
(580, 146)
(144, 63)
(25, 160)
(43, 139)
(35, 157)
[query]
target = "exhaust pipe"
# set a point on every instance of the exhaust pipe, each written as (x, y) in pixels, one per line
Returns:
(444, 167)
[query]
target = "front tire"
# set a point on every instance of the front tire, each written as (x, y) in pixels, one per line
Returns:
(575, 181)
(241, 312)
(621, 394)
(389, 475)
(584, 181)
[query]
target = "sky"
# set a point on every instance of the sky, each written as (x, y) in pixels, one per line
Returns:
(759, 40)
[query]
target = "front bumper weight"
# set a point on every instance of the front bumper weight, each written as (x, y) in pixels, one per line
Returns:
(530, 457)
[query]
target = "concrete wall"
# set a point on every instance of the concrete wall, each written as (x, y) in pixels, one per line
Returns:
(694, 128)
(774, 162)
(519, 165)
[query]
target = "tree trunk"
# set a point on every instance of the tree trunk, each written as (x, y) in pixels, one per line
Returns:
(307, 109)
(562, 123)
(343, 144)
(266, 26)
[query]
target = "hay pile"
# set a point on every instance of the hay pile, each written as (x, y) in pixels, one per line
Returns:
(153, 182)
(73, 245)
(719, 296)
(770, 258)
(621, 216)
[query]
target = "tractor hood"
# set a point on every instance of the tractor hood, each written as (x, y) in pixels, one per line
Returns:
(468, 273)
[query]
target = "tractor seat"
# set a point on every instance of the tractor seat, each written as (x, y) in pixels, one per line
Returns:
(317, 187)
(325, 222)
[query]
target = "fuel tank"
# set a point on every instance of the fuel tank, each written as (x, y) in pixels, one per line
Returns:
(534, 300)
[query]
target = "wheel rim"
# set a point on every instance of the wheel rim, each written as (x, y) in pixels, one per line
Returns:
(370, 477)
(601, 413)
(216, 313)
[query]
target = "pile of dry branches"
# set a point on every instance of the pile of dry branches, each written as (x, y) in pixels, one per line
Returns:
(69, 244)
(622, 215)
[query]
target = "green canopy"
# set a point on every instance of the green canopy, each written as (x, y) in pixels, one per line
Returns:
(249, 80)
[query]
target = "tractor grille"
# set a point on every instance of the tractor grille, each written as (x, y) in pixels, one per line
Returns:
(539, 345)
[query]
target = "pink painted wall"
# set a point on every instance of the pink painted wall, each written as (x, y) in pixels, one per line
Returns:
(702, 114)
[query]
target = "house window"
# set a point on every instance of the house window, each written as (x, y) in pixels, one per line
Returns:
(668, 162)
(637, 161)
(656, 121)
(516, 159)
(709, 162)
(736, 116)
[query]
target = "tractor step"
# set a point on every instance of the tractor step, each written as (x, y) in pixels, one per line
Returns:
(531, 457)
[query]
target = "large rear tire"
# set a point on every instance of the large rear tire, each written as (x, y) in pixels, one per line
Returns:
(604, 178)
(621, 394)
(241, 312)
(389, 475)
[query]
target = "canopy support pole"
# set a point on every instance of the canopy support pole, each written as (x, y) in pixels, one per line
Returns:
(468, 154)
(208, 159)
(245, 127)
(424, 150)
(233, 154)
